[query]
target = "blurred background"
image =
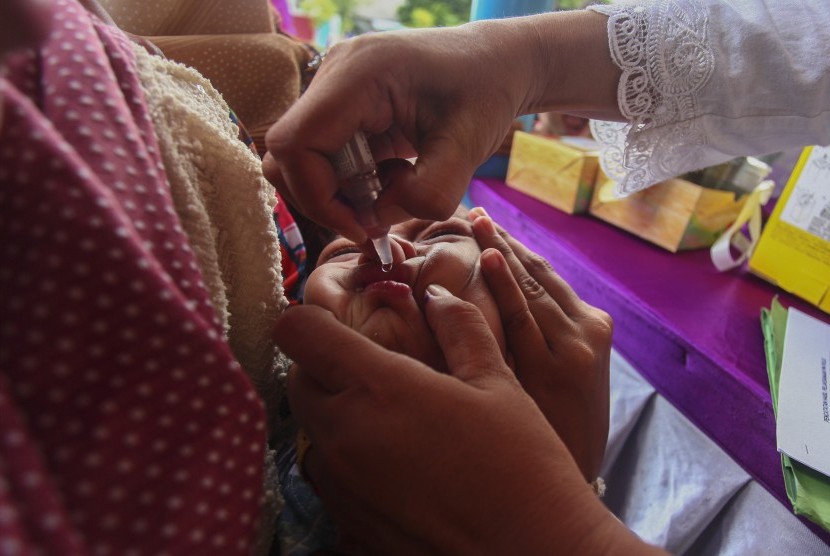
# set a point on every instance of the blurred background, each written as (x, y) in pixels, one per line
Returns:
(324, 22)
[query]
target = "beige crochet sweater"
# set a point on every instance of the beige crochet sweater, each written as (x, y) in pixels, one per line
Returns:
(226, 207)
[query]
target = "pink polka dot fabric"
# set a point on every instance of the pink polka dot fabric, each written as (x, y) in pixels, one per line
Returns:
(126, 425)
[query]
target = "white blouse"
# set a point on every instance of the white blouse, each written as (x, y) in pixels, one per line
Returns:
(705, 81)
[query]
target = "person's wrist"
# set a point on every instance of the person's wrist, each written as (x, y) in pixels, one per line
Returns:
(582, 524)
(559, 515)
(505, 53)
(572, 520)
(610, 537)
(574, 70)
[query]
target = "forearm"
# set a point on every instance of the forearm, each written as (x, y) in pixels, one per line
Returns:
(575, 72)
(576, 522)
(611, 537)
(555, 62)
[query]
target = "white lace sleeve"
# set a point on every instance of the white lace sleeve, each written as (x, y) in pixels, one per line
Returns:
(704, 81)
(665, 60)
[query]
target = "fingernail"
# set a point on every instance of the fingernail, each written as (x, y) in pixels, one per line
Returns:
(434, 290)
(490, 259)
(487, 224)
(478, 212)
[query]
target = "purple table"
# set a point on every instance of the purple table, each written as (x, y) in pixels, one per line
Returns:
(693, 332)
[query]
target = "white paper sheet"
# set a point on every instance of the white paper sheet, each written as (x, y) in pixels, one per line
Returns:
(803, 428)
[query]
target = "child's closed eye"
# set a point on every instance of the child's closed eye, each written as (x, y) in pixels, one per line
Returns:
(447, 230)
(338, 249)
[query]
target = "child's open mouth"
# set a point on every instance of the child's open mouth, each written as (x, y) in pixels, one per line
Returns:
(391, 287)
(400, 278)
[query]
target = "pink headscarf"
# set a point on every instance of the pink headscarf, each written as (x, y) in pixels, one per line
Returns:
(126, 425)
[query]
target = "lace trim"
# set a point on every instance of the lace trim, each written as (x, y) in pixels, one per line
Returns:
(665, 60)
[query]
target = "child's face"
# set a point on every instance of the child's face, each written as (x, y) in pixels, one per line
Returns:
(387, 306)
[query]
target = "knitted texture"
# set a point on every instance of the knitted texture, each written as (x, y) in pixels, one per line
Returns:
(225, 206)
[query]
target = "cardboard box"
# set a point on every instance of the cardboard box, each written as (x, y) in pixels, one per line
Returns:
(794, 249)
(675, 214)
(559, 172)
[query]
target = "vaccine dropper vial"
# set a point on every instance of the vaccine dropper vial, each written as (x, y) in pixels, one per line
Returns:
(358, 180)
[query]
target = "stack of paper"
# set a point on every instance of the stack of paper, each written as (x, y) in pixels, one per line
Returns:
(798, 365)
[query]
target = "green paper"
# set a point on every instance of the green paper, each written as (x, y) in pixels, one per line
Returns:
(807, 489)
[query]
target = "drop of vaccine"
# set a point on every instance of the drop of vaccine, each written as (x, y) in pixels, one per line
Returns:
(386, 267)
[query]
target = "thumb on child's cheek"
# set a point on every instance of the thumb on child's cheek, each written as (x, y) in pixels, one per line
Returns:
(470, 349)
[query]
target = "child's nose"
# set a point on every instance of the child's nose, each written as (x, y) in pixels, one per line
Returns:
(402, 249)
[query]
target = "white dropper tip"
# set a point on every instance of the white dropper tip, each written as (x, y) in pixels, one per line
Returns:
(384, 249)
